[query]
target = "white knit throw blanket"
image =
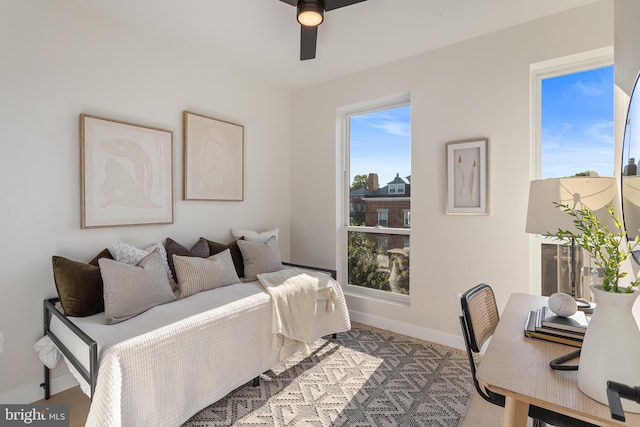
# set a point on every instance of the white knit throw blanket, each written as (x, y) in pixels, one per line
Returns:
(294, 294)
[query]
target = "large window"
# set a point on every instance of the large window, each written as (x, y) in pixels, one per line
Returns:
(573, 135)
(377, 147)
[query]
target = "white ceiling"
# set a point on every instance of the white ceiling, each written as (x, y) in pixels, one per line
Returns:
(262, 37)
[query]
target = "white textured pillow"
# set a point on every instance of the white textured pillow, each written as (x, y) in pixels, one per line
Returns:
(133, 289)
(201, 274)
(254, 236)
(260, 257)
(124, 252)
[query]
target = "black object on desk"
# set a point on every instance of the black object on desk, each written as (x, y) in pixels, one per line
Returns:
(615, 391)
(585, 306)
(558, 362)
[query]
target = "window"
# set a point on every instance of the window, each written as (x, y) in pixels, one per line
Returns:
(383, 217)
(573, 116)
(378, 167)
(407, 217)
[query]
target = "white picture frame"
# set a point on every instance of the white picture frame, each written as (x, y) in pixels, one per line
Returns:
(213, 159)
(467, 173)
(126, 173)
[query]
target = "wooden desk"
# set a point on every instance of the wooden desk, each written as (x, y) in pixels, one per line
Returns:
(518, 368)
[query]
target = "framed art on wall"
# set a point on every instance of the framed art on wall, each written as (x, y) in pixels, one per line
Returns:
(213, 158)
(467, 177)
(125, 173)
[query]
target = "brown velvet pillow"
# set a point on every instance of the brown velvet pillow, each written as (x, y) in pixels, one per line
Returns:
(79, 285)
(200, 249)
(236, 255)
(104, 254)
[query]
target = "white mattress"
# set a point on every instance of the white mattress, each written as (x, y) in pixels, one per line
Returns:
(230, 325)
(108, 335)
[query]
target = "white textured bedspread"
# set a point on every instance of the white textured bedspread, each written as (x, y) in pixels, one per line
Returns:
(187, 354)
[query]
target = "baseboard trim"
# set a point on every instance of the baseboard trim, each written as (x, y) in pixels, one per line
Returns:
(33, 392)
(403, 328)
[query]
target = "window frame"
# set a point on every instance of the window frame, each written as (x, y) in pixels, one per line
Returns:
(539, 71)
(343, 115)
(385, 214)
(406, 213)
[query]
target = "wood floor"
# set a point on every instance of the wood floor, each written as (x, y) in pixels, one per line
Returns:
(78, 405)
(481, 413)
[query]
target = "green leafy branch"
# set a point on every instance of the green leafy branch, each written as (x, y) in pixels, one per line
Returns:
(603, 245)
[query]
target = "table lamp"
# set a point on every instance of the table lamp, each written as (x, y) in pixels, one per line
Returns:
(544, 217)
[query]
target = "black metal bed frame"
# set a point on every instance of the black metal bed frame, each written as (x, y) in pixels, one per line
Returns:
(328, 271)
(91, 376)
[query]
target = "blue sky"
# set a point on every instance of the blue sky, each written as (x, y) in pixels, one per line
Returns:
(380, 143)
(577, 131)
(577, 123)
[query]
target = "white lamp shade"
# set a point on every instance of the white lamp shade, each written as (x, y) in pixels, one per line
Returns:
(596, 193)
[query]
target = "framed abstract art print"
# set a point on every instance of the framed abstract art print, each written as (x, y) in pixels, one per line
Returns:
(467, 177)
(125, 173)
(213, 158)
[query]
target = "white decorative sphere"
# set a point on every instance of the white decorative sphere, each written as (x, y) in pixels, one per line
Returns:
(562, 305)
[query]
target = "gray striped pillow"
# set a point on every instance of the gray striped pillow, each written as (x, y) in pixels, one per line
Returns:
(200, 274)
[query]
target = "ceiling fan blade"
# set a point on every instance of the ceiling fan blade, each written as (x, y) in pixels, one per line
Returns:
(291, 2)
(336, 4)
(308, 38)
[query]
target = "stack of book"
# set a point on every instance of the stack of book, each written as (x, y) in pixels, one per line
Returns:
(545, 325)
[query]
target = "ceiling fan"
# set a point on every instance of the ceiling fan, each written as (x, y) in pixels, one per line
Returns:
(310, 15)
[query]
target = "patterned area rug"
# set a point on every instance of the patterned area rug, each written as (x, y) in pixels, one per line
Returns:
(365, 377)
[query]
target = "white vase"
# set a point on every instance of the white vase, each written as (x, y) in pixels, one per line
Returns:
(611, 347)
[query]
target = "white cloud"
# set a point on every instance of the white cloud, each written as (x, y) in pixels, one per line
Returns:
(588, 89)
(600, 131)
(568, 156)
(394, 128)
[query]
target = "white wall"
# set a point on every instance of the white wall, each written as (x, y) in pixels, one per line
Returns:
(477, 88)
(59, 60)
(627, 52)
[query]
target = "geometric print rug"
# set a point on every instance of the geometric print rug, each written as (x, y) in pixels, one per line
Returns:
(364, 377)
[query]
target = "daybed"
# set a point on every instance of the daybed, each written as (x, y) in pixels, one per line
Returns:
(162, 366)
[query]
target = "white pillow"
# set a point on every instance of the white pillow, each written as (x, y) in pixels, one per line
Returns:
(200, 274)
(260, 257)
(254, 236)
(133, 289)
(124, 252)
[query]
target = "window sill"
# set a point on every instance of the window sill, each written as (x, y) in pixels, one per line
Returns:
(377, 295)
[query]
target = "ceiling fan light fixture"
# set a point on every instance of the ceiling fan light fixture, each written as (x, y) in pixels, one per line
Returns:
(310, 13)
